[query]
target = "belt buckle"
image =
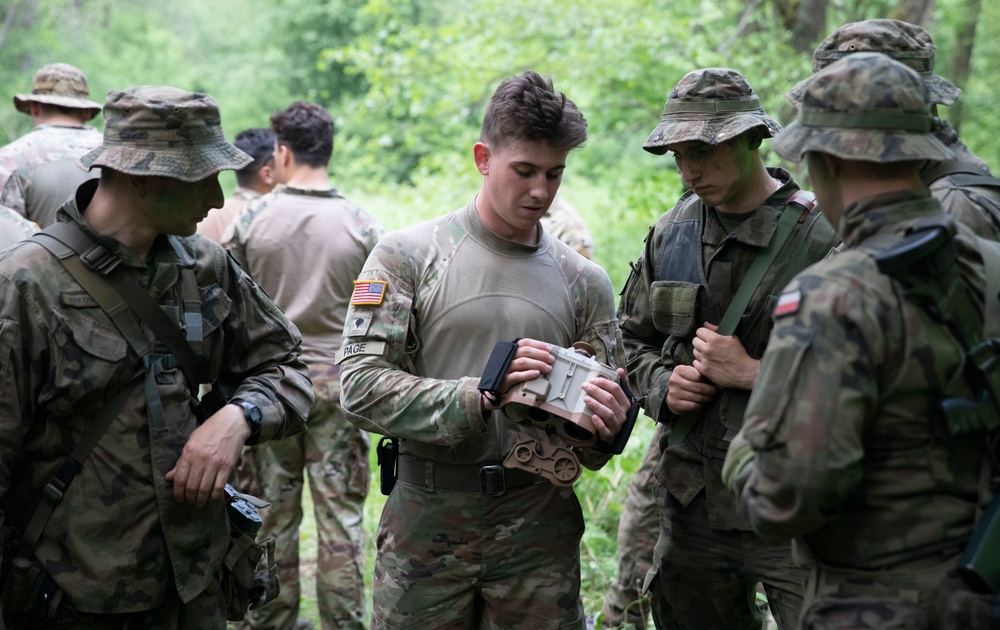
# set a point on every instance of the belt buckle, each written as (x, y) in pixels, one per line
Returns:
(491, 480)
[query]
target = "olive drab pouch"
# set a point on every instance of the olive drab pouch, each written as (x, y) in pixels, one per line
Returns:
(246, 584)
(674, 307)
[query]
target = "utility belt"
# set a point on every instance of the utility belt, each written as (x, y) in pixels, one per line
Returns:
(29, 595)
(490, 479)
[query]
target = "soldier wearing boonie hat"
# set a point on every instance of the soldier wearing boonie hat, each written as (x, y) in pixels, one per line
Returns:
(38, 171)
(706, 565)
(964, 185)
(846, 446)
(149, 553)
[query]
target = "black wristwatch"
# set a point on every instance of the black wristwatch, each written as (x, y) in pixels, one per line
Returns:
(253, 417)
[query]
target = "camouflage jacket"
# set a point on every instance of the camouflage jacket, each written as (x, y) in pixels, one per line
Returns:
(39, 171)
(978, 207)
(668, 296)
(565, 223)
(14, 227)
(268, 239)
(412, 364)
(116, 538)
(844, 426)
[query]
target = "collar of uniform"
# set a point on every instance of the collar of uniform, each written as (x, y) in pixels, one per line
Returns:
(478, 230)
(889, 212)
(309, 192)
(758, 228)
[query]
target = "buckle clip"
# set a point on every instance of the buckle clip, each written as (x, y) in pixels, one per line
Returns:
(491, 480)
(100, 259)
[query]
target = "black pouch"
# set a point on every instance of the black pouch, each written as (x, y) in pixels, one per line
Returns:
(246, 585)
(496, 369)
(387, 456)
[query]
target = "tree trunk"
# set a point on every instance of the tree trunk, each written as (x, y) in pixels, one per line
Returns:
(961, 64)
(917, 12)
(809, 25)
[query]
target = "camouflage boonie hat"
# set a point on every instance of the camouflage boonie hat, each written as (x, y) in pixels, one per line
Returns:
(711, 105)
(58, 84)
(906, 43)
(865, 107)
(158, 130)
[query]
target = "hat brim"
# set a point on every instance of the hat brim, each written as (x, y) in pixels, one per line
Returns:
(22, 103)
(942, 92)
(189, 164)
(867, 145)
(716, 130)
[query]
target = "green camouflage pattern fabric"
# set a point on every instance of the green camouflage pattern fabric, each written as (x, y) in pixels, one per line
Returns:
(116, 538)
(977, 207)
(881, 490)
(58, 84)
(268, 238)
(659, 316)
(161, 130)
(562, 221)
(519, 552)
(638, 530)
(14, 227)
(887, 121)
(711, 105)
(907, 43)
(39, 171)
(411, 369)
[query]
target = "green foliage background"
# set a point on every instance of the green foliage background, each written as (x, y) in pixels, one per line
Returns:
(407, 81)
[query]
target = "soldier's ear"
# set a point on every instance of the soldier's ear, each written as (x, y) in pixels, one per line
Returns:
(755, 137)
(481, 153)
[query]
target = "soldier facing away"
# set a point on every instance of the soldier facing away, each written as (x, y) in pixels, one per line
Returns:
(696, 379)
(464, 541)
(38, 171)
(304, 243)
(252, 181)
(847, 445)
(139, 535)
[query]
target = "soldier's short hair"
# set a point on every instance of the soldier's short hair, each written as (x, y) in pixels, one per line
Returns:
(258, 143)
(527, 108)
(307, 130)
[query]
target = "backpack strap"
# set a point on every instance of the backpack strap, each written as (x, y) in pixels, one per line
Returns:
(961, 173)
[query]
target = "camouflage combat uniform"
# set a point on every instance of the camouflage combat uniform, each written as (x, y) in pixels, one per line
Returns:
(305, 247)
(40, 172)
(118, 542)
(845, 445)
(975, 205)
(562, 221)
(218, 219)
(450, 558)
(14, 227)
(707, 562)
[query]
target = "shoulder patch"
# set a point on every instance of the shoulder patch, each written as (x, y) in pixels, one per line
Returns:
(368, 292)
(358, 325)
(788, 303)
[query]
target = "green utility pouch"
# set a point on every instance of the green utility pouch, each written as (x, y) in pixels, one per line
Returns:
(246, 585)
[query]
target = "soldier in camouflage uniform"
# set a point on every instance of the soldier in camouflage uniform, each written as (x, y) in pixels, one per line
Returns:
(38, 171)
(707, 562)
(963, 185)
(562, 221)
(252, 181)
(845, 445)
(14, 227)
(463, 541)
(139, 537)
(304, 243)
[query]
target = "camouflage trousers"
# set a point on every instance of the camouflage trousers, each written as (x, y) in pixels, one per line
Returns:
(207, 611)
(334, 453)
(638, 531)
(705, 579)
(458, 560)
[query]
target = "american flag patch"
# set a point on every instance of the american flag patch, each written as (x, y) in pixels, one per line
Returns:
(788, 303)
(368, 292)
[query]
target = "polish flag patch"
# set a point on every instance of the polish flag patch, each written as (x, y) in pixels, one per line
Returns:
(788, 303)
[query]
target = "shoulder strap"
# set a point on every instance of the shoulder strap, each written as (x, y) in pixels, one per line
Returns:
(961, 173)
(96, 268)
(755, 275)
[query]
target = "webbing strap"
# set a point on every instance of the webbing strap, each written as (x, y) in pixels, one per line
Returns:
(962, 173)
(803, 200)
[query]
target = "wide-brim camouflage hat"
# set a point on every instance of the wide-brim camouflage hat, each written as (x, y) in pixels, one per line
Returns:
(711, 105)
(865, 107)
(58, 84)
(158, 130)
(906, 43)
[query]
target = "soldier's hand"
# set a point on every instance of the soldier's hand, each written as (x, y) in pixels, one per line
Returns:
(209, 456)
(532, 359)
(687, 390)
(723, 360)
(610, 405)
